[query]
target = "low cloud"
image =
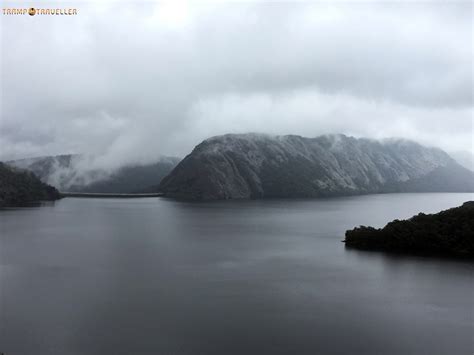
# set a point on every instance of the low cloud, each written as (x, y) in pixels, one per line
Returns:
(128, 83)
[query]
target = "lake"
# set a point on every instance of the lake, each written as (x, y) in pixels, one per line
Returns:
(157, 276)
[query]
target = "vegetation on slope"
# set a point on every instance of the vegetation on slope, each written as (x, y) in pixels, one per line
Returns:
(449, 232)
(20, 187)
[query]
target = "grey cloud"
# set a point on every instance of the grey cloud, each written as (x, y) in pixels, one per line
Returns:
(158, 78)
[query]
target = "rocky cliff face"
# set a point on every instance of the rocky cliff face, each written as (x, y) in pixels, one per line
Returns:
(18, 187)
(261, 166)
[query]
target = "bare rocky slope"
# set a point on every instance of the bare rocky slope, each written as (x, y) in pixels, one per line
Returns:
(242, 166)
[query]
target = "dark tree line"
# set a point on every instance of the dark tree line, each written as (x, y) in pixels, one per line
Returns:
(449, 232)
(20, 187)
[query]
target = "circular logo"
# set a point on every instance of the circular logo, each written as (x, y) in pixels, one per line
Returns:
(31, 11)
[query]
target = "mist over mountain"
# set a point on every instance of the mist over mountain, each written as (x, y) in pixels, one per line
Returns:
(239, 166)
(205, 68)
(81, 173)
(464, 158)
(55, 170)
(235, 166)
(131, 178)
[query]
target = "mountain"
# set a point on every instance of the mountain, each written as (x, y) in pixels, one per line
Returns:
(78, 173)
(236, 166)
(449, 232)
(131, 179)
(19, 187)
(464, 158)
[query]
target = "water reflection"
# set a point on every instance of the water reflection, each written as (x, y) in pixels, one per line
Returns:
(154, 276)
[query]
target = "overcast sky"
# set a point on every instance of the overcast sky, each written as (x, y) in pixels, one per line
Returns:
(131, 82)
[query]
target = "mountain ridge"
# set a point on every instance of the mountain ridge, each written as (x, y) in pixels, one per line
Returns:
(253, 165)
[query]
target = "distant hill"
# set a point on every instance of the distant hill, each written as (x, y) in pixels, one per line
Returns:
(236, 166)
(449, 232)
(19, 187)
(72, 173)
(131, 179)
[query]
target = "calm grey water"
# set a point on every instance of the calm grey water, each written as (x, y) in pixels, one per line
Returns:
(156, 276)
